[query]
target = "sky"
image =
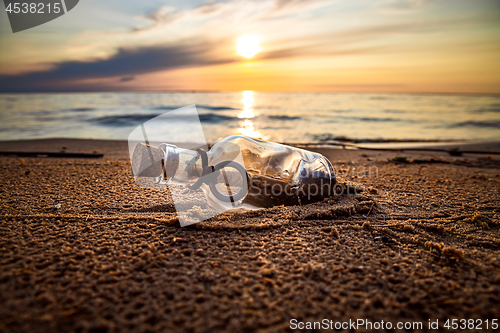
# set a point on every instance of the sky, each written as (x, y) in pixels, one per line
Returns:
(436, 46)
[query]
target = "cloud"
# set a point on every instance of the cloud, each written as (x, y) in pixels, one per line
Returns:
(126, 63)
(210, 29)
(206, 35)
(317, 51)
(127, 78)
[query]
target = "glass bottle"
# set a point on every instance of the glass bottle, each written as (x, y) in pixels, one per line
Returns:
(240, 173)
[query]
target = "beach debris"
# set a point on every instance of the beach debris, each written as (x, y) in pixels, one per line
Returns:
(179, 240)
(57, 206)
(373, 205)
(455, 152)
(237, 173)
(400, 159)
(268, 281)
(385, 240)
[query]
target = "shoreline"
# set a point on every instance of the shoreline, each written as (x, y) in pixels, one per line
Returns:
(115, 148)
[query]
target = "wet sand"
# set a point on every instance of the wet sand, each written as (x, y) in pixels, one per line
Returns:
(83, 249)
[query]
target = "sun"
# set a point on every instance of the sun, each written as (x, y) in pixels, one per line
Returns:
(248, 46)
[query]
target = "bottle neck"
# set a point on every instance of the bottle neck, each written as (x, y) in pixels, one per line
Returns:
(182, 166)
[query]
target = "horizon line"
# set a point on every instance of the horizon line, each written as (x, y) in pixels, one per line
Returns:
(258, 91)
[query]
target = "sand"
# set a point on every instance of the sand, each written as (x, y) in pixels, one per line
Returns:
(83, 249)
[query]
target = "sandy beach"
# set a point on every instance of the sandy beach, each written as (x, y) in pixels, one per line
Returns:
(84, 250)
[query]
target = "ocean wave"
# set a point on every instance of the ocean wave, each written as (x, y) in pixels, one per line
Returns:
(139, 118)
(164, 107)
(206, 107)
(276, 127)
(340, 139)
(216, 108)
(340, 111)
(283, 118)
(494, 108)
(376, 119)
(365, 119)
(480, 124)
(215, 118)
(82, 109)
(394, 111)
(123, 120)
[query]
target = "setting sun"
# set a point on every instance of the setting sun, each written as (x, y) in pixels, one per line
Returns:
(248, 46)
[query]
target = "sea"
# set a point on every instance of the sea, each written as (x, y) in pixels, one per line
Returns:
(278, 117)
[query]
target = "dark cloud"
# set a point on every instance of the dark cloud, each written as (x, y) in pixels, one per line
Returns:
(127, 78)
(126, 63)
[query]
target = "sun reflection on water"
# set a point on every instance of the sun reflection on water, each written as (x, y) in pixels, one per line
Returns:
(246, 127)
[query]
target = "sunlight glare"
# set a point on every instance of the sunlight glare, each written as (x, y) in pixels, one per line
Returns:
(247, 129)
(248, 46)
(247, 101)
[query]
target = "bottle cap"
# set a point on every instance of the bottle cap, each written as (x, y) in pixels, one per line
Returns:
(146, 161)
